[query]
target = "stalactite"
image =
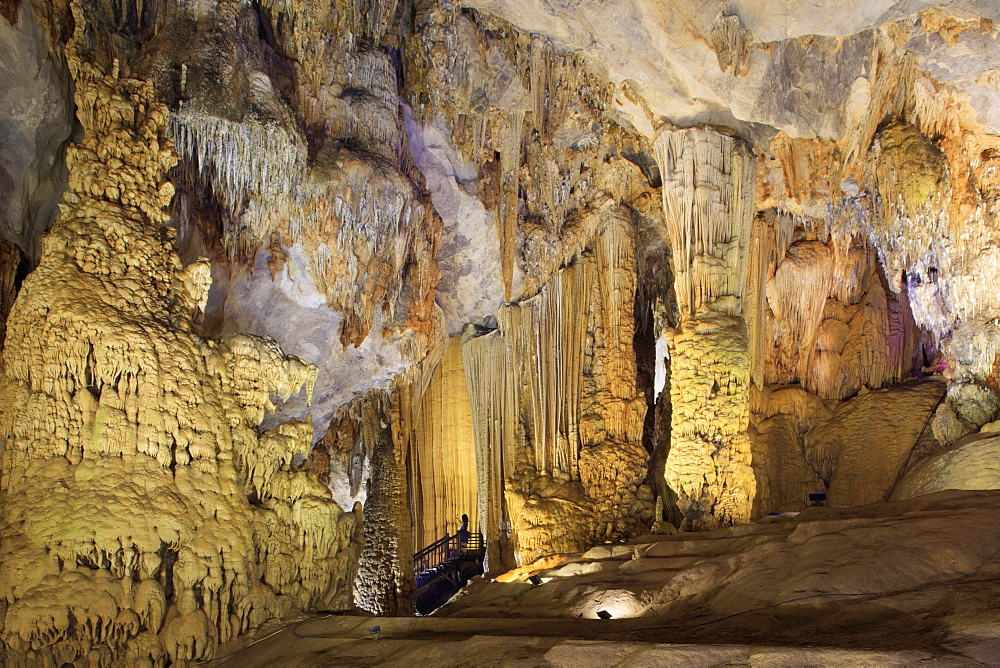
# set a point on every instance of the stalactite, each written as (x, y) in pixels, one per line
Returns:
(494, 406)
(558, 417)
(755, 308)
(245, 163)
(368, 227)
(707, 201)
(510, 163)
(831, 325)
(732, 43)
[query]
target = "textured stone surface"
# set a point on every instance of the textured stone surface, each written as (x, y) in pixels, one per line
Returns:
(36, 120)
(562, 434)
(442, 469)
(471, 285)
(707, 195)
(582, 270)
(114, 399)
(974, 464)
(798, 572)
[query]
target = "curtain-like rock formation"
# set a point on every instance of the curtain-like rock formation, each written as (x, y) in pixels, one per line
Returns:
(558, 419)
(442, 461)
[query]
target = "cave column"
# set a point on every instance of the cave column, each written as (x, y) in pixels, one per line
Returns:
(708, 181)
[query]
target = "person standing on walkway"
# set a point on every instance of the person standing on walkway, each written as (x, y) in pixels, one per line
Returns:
(463, 534)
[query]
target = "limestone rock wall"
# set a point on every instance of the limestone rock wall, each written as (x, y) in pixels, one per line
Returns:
(855, 451)
(844, 449)
(36, 121)
(10, 259)
(143, 519)
(784, 477)
(296, 180)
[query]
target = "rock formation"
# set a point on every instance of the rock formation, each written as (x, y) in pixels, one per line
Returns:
(707, 198)
(443, 480)
(115, 399)
(325, 276)
(558, 419)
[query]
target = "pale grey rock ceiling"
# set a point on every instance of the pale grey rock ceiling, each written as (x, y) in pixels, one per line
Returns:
(662, 53)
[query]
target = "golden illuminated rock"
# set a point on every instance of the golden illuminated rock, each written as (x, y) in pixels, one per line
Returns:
(571, 469)
(443, 474)
(112, 399)
(707, 196)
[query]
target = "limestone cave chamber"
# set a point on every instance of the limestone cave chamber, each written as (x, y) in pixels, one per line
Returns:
(503, 332)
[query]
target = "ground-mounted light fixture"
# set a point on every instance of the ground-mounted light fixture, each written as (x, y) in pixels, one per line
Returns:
(535, 579)
(603, 614)
(818, 499)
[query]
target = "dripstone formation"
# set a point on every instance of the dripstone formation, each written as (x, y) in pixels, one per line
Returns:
(287, 287)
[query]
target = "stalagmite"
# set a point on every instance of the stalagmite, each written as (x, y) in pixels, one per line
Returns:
(384, 584)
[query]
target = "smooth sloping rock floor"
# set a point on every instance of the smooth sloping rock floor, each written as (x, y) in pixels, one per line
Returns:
(901, 583)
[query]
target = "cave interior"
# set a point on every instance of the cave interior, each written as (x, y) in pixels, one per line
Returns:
(662, 333)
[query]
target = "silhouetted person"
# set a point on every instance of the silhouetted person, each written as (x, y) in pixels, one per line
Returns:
(463, 534)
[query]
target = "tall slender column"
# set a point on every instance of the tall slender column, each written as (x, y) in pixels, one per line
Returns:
(708, 181)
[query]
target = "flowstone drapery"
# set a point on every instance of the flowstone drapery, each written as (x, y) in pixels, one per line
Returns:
(442, 461)
(557, 416)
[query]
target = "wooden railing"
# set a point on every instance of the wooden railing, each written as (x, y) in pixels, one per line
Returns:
(448, 548)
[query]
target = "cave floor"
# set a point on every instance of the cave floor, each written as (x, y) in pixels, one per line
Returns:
(346, 641)
(901, 583)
